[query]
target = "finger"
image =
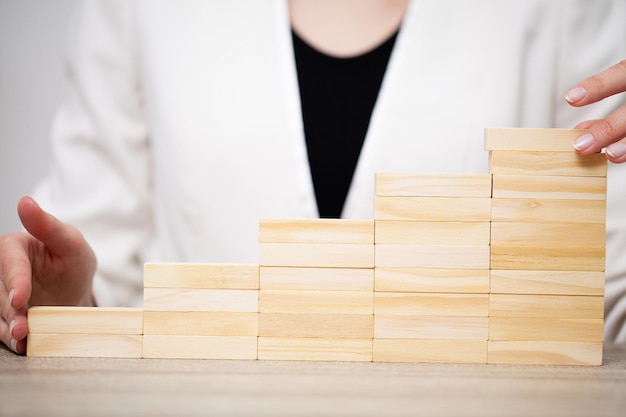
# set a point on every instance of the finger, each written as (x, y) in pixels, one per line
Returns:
(616, 152)
(15, 323)
(17, 346)
(16, 274)
(13, 332)
(602, 133)
(59, 238)
(599, 86)
(586, 124)
(5, 335)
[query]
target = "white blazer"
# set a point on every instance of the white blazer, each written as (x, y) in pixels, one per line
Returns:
(182, 124)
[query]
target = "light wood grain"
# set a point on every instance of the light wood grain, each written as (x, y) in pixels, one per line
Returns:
(433, 185)
(432, 233)
(436, 256)
(430, 327)
(316, 279)
(546, 329)
(549, 187)
(432, 351)
(62, 387)
(85, 345)
(432, 208)
(199, 347)
(531, 139)
(563, 306)
(568, 163)
(184, 299)
(201, 323)
(85, 320)
(547, 282)
(316, 302)
(544, 353)
(201, 275)
(432, 280)
(531, 210)
(340, 326)
(315, 349)
(316, 231)
(328, 255)
(581, 258)
(548, 234)
(431, 304)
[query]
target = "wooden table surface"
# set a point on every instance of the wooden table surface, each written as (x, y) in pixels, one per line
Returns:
(144, 387)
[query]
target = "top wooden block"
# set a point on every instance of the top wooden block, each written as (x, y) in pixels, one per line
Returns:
(433, 185)
(548, 140)
(199, 275)
(316, 231)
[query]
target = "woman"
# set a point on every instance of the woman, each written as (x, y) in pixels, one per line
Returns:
(188, 121)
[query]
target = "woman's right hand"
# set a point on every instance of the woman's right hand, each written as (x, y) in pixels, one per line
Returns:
(609, 132)
(49, 264)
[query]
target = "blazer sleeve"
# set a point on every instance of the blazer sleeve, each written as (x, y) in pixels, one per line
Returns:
(100, 176)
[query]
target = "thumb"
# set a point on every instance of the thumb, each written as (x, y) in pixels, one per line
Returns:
(60, 239)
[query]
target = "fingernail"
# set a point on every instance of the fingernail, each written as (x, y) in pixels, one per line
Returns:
(11, 326)
(14, 345)
(616, 150)
(584, 141)
(11, 294)
(575, 94)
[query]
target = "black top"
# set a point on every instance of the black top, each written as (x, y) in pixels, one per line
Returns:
(337, 97)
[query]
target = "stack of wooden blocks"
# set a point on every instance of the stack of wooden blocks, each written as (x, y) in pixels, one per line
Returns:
(316, 299)
(547, 249)
(200, 311)
(432, 268)
(85, 332)
(506, 267)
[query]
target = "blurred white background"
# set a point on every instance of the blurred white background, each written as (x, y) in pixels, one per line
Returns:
(32, 51)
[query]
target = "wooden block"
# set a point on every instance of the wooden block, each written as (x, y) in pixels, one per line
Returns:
(432, 209)
(184, 299)
(431, 304)
(432, 233)
(546, 329)
(544, 353)
(199, 347)
(316, 279)
(438, 256)
(338, 326)
(315, 349)
(430, 327)
(84, 345)
(582, 258)
(548, 234)
(85, 320)
(316, 231)
(197, 275)
(547, 282)
(437, 351)
(201, 323)
(549, 187)
(562, 306)
(529, 139)
(568, 163)
(316, 302)
(547, 211)
(433, 185)
(328, 255)
(432, 280)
